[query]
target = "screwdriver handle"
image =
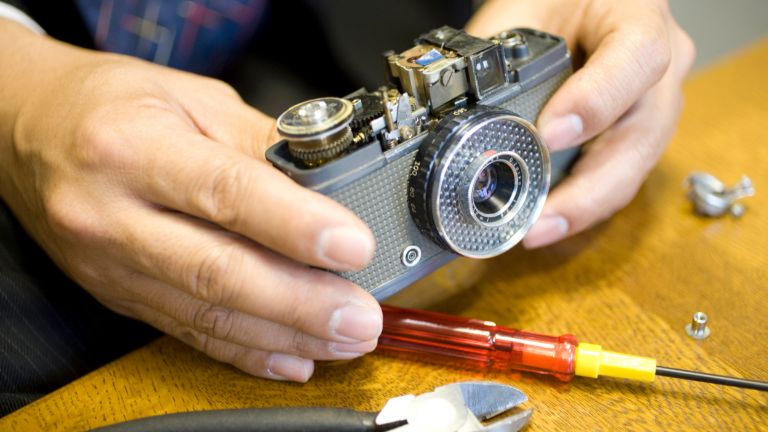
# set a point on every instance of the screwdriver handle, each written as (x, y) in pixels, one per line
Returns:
(476, 344)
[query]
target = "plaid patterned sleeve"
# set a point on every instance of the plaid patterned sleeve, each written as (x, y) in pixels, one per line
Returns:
(196, 35)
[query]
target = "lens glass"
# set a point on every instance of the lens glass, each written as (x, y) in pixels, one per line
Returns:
(485, 184)
(495, 188)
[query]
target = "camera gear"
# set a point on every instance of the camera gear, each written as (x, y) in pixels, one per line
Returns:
(317, 130)
(445, 160)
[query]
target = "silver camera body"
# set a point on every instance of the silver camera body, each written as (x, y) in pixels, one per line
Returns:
(442, 163)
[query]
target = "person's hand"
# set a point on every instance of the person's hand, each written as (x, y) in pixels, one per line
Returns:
(149, 188)
(627, 96)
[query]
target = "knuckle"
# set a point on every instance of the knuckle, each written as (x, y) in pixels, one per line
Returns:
(593, 208)
(213, 273)
(298, 345)
(653, 54)
(98, 144)
(595, 110)
(221, 194)
(296, 317)
(588, 209)
(224, 87)
(65, 220)
(198, 340)
(297, 310)
(215, 321)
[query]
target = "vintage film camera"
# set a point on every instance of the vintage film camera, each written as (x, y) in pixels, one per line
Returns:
(443, 162)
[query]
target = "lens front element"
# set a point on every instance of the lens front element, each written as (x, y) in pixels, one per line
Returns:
(498, 187)
(485, 185)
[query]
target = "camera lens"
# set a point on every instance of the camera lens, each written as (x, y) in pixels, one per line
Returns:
(498, 187)
(479, 182)
(495, 188)
(485, 185)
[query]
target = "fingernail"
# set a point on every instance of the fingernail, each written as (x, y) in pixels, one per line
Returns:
(562, 132)
(288, 367)
(344, 351)
(354, 322)
(346, 248)
(548, 230)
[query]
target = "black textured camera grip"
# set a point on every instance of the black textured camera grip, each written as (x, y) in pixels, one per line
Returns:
(428, 159)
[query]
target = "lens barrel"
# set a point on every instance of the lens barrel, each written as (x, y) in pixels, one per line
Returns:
(479, 181)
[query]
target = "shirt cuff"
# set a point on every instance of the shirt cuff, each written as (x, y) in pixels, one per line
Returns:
(9, 12)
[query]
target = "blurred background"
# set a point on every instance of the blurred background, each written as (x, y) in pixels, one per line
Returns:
(721, 27)
(343, 44)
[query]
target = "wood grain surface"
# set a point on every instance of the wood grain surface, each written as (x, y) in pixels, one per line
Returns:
(631, 285)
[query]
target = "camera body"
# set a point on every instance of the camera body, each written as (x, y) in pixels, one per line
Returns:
(445, 161)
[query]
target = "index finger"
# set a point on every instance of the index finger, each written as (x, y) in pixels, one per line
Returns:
(191, 173)
(629, 52)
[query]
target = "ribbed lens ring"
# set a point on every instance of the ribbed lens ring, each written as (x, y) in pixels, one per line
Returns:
(478, 184)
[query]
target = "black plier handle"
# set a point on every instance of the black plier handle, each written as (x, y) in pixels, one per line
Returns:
(456, 407)
(259, 420)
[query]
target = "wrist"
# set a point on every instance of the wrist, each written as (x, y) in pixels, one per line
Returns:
(33, 65)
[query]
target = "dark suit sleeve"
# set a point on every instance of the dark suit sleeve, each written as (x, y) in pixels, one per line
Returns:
(51, 330)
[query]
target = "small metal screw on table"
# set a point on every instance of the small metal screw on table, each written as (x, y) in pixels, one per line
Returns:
(697, 328)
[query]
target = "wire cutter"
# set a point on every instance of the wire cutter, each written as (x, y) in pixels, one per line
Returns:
(457, 407)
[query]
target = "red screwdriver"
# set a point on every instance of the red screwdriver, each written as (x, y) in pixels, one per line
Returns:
(480, 345)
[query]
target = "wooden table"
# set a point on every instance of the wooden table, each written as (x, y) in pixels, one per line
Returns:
(630, 284)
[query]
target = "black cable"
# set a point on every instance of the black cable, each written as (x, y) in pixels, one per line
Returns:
(711, 378)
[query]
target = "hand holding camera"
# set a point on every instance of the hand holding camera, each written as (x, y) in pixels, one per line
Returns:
(147, 186)
(631, 58)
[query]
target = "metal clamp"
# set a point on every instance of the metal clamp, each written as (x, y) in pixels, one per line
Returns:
(458, 407)
(710, 197)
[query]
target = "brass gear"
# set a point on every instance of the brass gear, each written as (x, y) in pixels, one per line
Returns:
(330, 148)
(372, 107)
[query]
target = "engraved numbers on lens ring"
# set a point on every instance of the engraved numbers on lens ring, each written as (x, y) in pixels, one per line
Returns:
(411, 256)
(415, 168)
